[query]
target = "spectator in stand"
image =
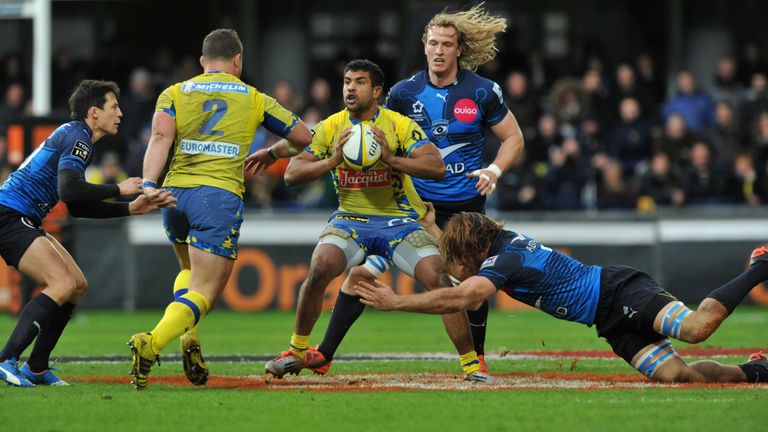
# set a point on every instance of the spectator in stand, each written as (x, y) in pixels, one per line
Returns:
(613, 192)
(522, 103)
(567, 101)
(65, 76)
(546, 137)
(676, 140)
(320, 98)
(630, 142)
(13, 107)
(756, 101)
(649, 82)
(285, 95)
(597, 97)
(751, 62)
(744, 185)
(138, 104)
(624, 87)
(694, 105)
(566, 178)
(703, 182)
(727, 86)
(759, 141)
(725, 136)
(661, 184)
(520, 188)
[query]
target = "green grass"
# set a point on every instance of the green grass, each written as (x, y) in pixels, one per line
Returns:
(116, 407)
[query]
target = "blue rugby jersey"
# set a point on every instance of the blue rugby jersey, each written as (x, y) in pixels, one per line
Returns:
(32, 189)
(543, 278)
(454, 118)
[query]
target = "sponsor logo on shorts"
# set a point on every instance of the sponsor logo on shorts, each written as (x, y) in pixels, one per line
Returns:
(81, 151)
(465, 110)
(214, 87)
(490, 261)
(25, 220)
(352, 218)
(210, 148)
(351, 179)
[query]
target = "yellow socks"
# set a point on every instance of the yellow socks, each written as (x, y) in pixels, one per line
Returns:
(181, 287)
(180, 316)
(299, 345)
(469, 362)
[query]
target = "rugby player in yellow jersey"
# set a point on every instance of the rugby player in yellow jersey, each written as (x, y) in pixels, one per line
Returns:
(377, 217)
(210, 121)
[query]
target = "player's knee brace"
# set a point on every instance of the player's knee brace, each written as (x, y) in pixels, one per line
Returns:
(670, 324)
(649, 362)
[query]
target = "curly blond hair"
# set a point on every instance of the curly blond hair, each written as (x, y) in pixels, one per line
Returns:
(466, 239)
(476, 30)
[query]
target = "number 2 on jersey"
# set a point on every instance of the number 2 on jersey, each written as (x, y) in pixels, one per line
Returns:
(219, 108)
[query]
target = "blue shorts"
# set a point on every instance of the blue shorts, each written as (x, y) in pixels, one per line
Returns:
(205, 217)
(377, 235)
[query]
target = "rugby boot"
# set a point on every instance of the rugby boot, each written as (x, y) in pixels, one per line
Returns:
(192, 358)
(316, 362)
(9, 372)
(756, 367)
(285, 363)
(45, 377)
(478, 376)
(483, 364)
(759, 254)
(143, 357)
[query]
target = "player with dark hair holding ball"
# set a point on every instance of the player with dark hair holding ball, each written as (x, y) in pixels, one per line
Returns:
(634, 315)
(454, 106)
(378, 215)
(56, 171)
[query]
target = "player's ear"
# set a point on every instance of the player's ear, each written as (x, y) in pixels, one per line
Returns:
(377, 90)
(202, 62)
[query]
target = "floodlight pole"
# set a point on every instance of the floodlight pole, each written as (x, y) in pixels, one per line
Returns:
(40, 12)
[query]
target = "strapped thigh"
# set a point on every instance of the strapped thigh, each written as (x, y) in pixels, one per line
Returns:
(353, 251)
(416, 245)
(660, 352)
(673, 319)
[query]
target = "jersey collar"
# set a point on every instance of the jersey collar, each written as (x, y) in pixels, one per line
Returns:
(85, 127)
(354, 122)
(459, 77)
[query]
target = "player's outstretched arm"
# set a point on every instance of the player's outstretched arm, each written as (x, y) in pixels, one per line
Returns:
(512, 144)
(163, 135)
(468, 295)
(293, 144)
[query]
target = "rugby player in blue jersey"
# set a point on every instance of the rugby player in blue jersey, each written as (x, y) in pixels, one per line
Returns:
(56, 171)
(634, 315)
(454, 105)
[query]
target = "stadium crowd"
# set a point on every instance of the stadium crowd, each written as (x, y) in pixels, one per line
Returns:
(601, 137)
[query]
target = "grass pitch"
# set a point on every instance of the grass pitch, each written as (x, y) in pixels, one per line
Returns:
(572, 392)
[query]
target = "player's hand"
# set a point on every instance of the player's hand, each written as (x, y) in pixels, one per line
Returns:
(160, 197)
(258, 161)
(428, 221)
(130, 186)
(141, 205)
(379, 295)
(337, 157)
(486, 180)
(386, 153)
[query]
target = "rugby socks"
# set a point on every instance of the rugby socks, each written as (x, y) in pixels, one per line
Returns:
(469, 362)
(181, 287)
(48, 337)
(477, 320)
(180, 316)
(299, 345)
(345, 312)
(35, 316)
(733, 292)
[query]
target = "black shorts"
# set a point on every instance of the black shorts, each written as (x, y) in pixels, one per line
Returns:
(629, 303)
(445, 209)
(17, 232)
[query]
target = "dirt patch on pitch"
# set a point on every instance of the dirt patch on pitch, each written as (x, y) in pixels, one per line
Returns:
(417, 382)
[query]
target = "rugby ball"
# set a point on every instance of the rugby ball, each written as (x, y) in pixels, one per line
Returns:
(361, 151)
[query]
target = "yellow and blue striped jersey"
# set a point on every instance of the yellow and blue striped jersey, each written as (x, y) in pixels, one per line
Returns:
(381, 190)
(216, 117)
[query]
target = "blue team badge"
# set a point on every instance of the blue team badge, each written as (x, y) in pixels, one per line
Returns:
(490, 261)
(440, 129)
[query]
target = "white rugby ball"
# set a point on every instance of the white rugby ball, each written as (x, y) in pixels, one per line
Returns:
(361, 151)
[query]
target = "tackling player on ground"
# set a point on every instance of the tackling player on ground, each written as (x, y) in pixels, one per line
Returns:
(454, 105)
(56, 170)
(209, 121)
(627, 307)
(378, 215)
